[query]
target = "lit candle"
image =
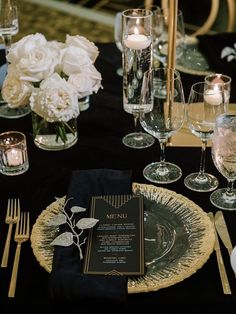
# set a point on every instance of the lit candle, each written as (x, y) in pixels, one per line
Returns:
(137, 41)
(14, 157)
(213, 96)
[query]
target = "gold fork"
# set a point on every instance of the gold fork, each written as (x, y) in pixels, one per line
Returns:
(21, 235)
(13, 212)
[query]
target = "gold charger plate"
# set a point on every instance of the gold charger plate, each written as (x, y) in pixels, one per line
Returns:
(179, 238)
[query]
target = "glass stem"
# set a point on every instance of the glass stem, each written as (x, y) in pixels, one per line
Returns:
(7, 42)
(203, 159)
(136, 124)
(230, 189)
(162, 156)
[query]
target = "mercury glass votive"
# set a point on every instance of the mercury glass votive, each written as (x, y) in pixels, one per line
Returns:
(13, 153)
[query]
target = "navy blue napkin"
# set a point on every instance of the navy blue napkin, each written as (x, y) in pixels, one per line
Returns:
(67, 283)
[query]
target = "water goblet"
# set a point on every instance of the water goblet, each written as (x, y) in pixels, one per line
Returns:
(224, 158)
(205, 103)
(137, 59)
(118, 37)
(164, 120)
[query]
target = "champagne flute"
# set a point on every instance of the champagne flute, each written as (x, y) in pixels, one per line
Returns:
(224, 158)
(118, 37)
(205, 103)
(165, 119)
(137, 59)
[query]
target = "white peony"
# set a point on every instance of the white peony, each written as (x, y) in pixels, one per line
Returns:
(86, 82)
(83, 43)
(55, 100)
(15, 91)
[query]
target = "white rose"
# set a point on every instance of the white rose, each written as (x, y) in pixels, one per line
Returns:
(38, 64)
(21, 48)
(86, 82)
(55, 100)
(15, 91)
(74, 59)
(84, 43)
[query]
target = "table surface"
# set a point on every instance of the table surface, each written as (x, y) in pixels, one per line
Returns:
(100, 132)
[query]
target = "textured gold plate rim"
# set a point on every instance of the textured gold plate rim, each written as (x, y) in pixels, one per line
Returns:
(42, 235)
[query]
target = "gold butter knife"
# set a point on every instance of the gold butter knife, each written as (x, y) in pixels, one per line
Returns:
(220, 262)
(222, 230)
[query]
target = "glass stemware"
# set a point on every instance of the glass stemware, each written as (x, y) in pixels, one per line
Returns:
(137, 59)
(165, 119)
(205, 103)
(8, 21)
(161, 33)
(118, 37)
(224, 158)
(8, 28)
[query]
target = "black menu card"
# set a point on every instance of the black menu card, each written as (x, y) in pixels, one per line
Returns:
(115, 246)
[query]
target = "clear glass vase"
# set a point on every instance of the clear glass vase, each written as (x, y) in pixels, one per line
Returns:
(54, 135)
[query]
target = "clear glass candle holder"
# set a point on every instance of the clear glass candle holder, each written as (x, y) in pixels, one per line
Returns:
(13, 153)
(137, 59)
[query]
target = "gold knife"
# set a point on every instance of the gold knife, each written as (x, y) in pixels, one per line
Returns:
(222, 230)
(220, 262)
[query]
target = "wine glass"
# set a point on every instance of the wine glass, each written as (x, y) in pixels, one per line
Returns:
(224, 158)
(205, 103)
(137, 59)
(8, 21)
(118, 37)
(165, 119)
(161, 34)
(8, 28)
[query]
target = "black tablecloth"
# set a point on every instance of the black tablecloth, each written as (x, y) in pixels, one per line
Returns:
(100, 132)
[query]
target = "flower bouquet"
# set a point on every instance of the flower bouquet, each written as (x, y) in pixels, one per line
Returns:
(51, 76)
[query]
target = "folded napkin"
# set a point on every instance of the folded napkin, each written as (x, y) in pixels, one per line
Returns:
(67, 283)
(220, 52)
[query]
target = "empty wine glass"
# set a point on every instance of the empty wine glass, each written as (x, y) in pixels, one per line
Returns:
(161, 34)
(118, 37)
(224, 158)
(137, 59)
(8, 28)
(165, 119)
(205, 103)
(8, 21)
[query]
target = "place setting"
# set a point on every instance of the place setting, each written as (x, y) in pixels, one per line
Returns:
(116, 216)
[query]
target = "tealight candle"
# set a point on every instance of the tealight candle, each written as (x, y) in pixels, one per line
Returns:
(14, 157)
(213, 96)
(13, 153)
(137, 41)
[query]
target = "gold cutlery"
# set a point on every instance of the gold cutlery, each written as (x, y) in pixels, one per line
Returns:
(21, 235)
(222, 230)
(220, 262)
(13, 212)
